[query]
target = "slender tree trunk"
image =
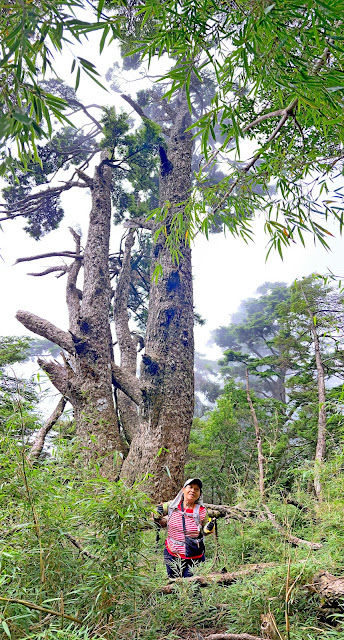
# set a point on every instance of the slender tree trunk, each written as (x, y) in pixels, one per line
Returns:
(322, 422)
(128, 410)
(161, 442)
(261, 459)
(321, 439)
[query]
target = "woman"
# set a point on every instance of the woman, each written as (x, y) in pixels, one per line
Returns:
(184, 546)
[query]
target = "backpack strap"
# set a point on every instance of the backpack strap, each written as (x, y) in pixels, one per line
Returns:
(195, 515)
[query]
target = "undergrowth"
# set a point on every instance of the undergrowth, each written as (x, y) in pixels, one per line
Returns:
(75, 545)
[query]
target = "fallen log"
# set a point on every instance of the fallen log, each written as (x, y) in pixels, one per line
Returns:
(224, 579)
(225, 511)
(232, 636)
(238, 513)
(328, 586)
(298, 542)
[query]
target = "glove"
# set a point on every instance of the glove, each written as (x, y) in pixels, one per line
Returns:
(210, 526)
(160, 510)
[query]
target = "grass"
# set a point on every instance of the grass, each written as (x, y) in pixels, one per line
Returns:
(115, 589)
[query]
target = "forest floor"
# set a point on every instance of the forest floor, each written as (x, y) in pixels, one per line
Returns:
(77, 562)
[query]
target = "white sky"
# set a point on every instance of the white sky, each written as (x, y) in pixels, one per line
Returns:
(226, 270)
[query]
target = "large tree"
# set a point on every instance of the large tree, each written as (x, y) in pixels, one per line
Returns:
(147, 418)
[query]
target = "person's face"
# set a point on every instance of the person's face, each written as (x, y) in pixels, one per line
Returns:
(191, 493)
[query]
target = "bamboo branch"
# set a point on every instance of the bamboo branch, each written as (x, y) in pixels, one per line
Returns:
(32, 605)
(286, 113)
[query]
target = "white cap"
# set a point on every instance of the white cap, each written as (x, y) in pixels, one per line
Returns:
(195, 480)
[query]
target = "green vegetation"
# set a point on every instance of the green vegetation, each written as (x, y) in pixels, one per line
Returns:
(111, 581)
(79, 559)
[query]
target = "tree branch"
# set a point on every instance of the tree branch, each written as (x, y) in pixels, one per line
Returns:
(84, 109)
(127, 346)
(47, 330)
(52, 254)
(135, 106)
(139, 223)
(127, 383)
(78, 546)
(59, 376)
(41, 434)
(72, 296)
(293, 539)
(218, 578)
(34, 200)
(63, 269)
(232, 636)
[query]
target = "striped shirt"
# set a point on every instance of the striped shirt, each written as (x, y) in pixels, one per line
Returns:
(175, 541)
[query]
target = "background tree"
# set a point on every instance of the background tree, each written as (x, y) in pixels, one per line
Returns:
(16, 391)
(249, 341)
(273, 335)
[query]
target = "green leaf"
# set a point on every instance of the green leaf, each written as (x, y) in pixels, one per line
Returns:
(77, 79)
(22, 117)
(100, 8)
(5, 628)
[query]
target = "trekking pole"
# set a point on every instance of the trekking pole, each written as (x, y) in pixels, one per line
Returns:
(157, 538)
(216, 543)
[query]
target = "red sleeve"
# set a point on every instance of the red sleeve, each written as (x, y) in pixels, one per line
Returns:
(202, 514)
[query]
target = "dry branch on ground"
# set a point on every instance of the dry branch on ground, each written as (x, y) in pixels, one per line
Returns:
(220, 578)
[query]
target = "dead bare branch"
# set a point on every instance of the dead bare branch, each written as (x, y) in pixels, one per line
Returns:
(299, 542)
(232, 636)
(139, 223)
(62, 269)
(41, 434)
(52, 254)
(218, 578)
(78, 546)
(47, 330)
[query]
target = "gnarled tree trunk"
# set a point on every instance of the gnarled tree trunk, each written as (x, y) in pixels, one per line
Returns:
(86, 378)
(160, 444)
